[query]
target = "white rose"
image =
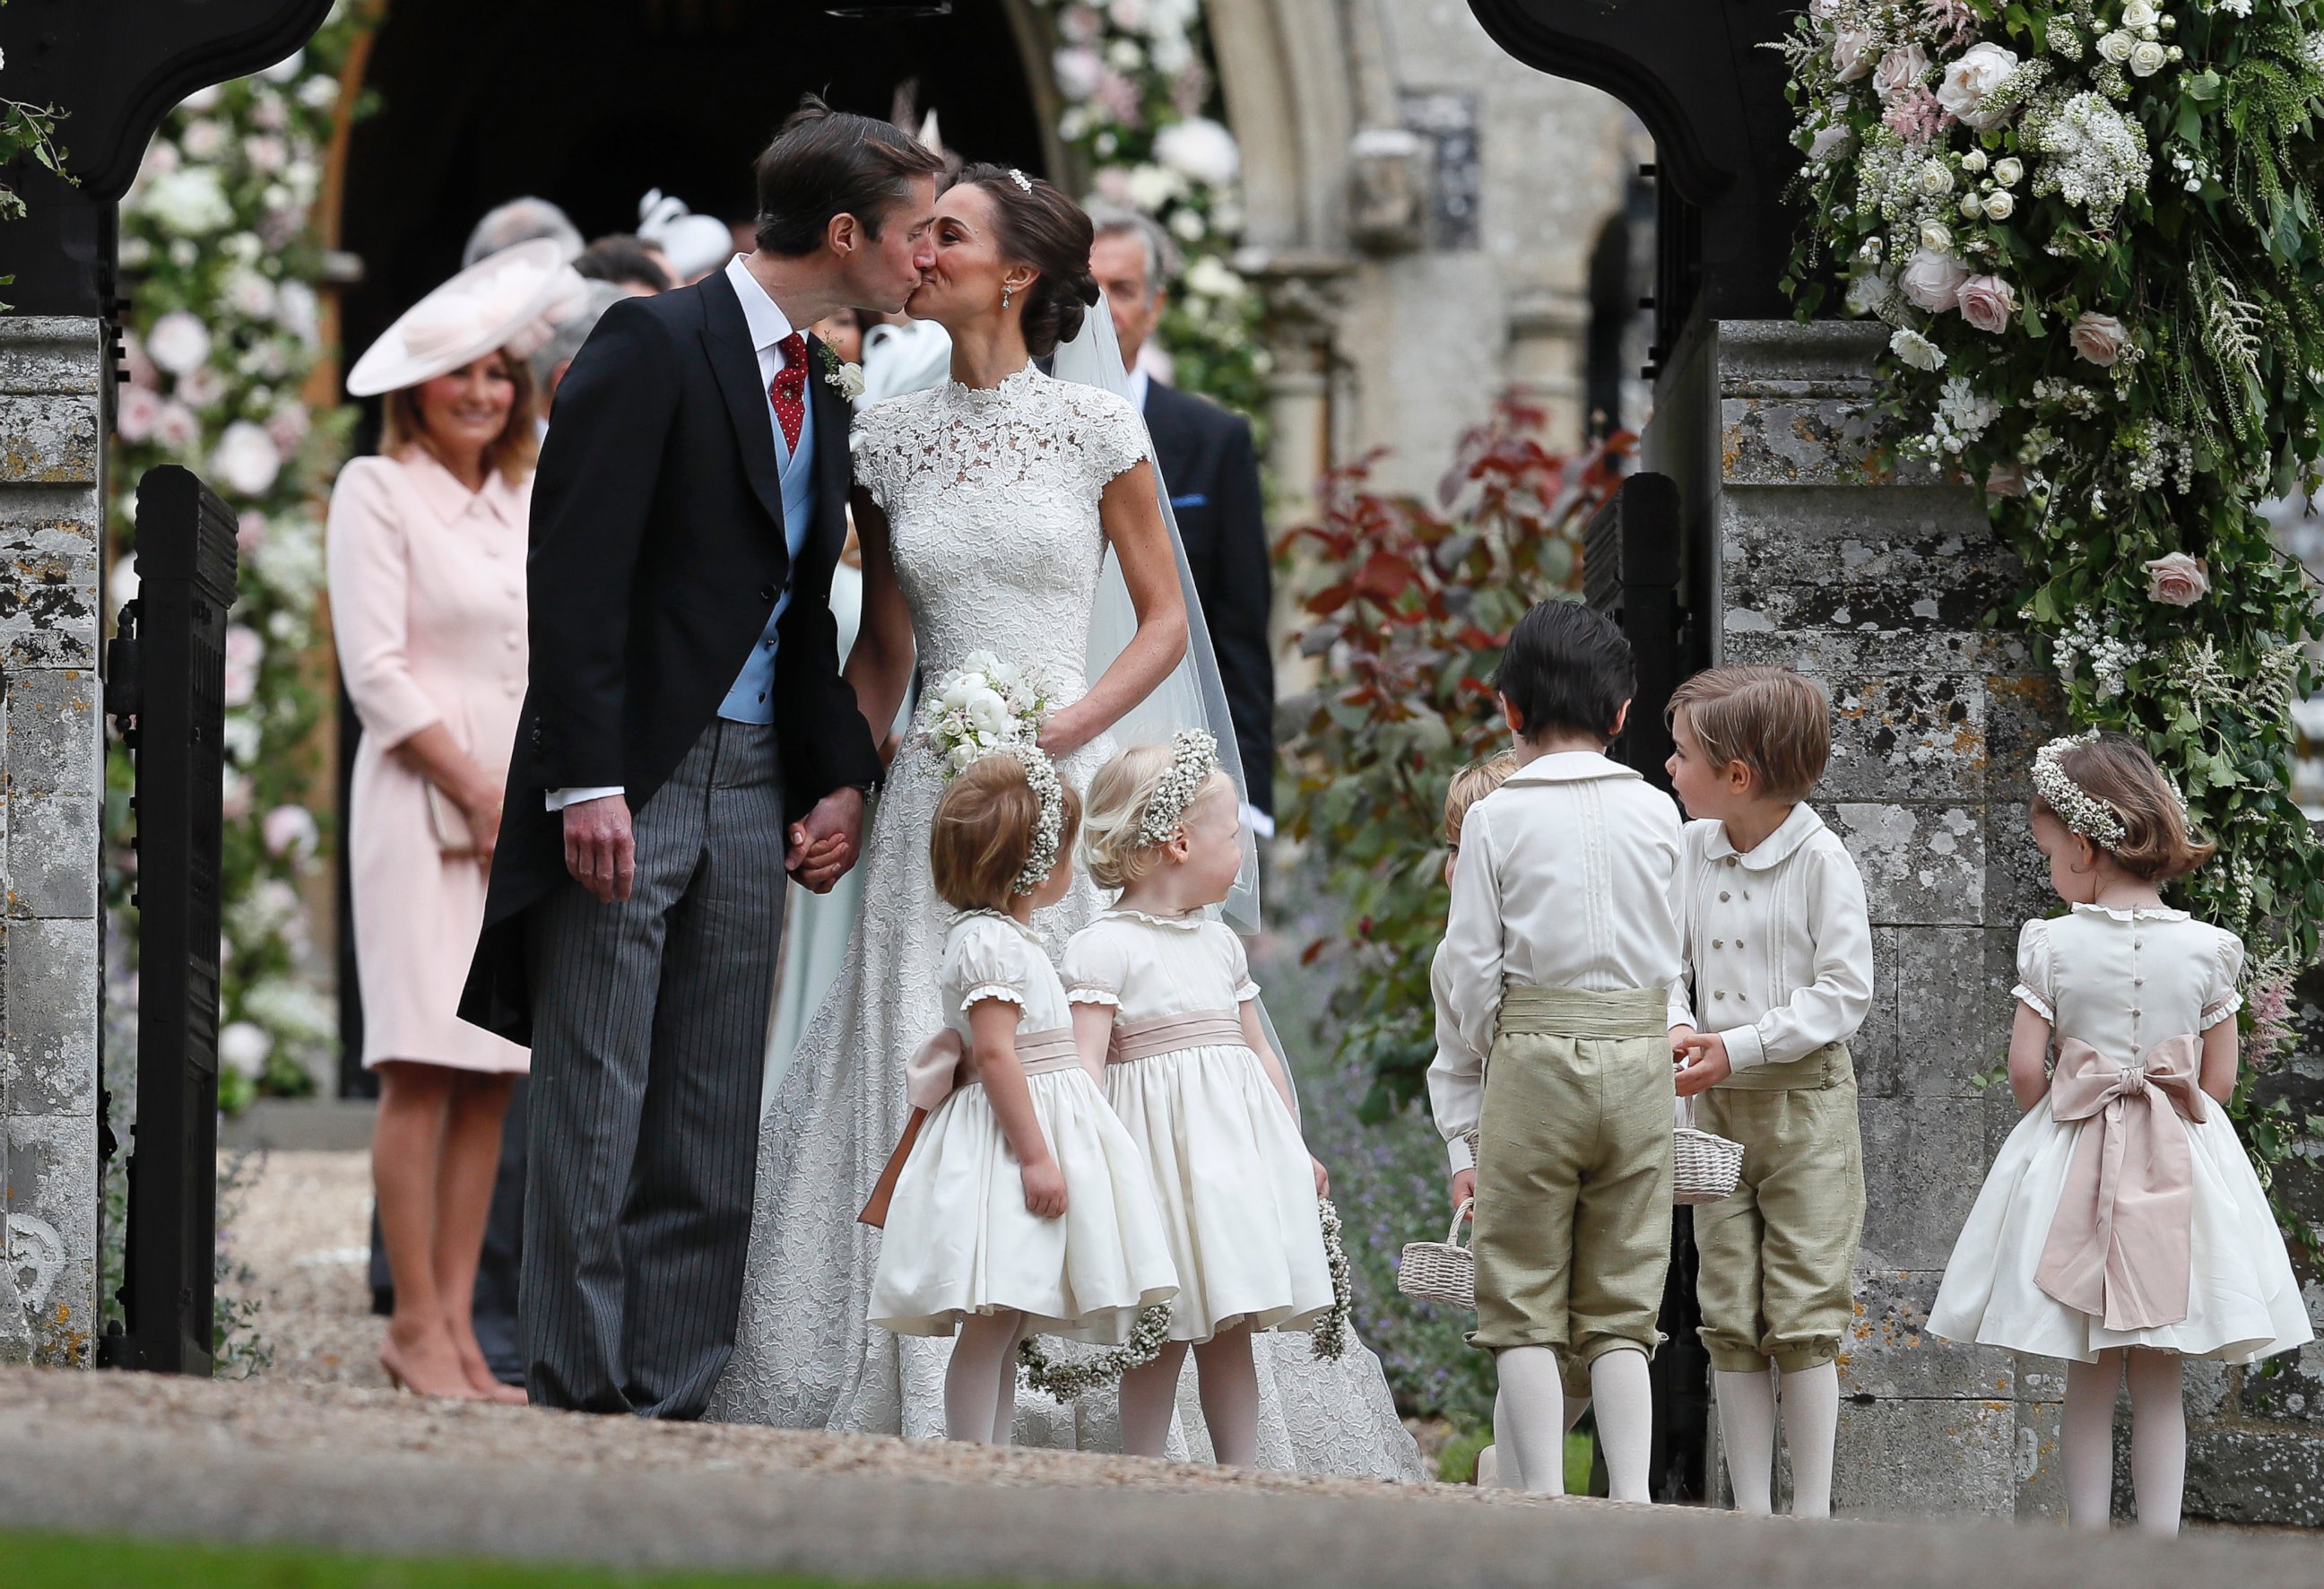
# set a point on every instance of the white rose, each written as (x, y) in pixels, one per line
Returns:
(1079, 71)
(1828, 141)
(1916, 350)
(1933, 280)
(1202, 149)
(1004, 675)
(1936, 178)
(1851, 50)
(2148, 58)
(202, 140)
(1937, 235)
(244, 1048)
(1971, 206)
(247, 460)
(2138, 14)
(1153, 185)
(250, 293)
(1999, 207)
(1973, 161)
(2008, 171)
(1974, 78)
(2117, 45)
(189, 201)
(178, 343)
(1867, 291)
(988, 712)
(1899, 69)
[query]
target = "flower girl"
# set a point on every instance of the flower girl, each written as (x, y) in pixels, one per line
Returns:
(2122, 1225)
(1164, 997)
(1022, 1203)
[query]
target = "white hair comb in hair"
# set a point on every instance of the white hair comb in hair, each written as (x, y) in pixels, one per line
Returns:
(1024, 182)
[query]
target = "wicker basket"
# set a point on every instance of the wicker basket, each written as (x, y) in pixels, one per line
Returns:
(1706, 1166)
(1441, 1271)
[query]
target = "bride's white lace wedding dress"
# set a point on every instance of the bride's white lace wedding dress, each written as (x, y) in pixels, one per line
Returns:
(991, 499)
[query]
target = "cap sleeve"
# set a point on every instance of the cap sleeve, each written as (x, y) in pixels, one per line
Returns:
(1109, 434)
(1238, 961)
(1097, 965)
(2036, 987)
(988, 962)
(871, 447)
(2223, 998)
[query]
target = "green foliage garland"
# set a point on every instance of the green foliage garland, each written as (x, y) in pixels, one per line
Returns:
(2091, 227)
(1408, 608)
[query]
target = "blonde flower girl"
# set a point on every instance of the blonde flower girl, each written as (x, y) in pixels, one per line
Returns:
(1021, 1204)
(2122, 1227)
(1162, 996)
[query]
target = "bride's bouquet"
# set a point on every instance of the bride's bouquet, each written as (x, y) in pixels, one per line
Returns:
(982, 705)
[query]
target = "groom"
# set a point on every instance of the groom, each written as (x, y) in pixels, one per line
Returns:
(686, 741)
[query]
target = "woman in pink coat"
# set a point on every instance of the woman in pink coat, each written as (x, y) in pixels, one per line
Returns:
(427, 550)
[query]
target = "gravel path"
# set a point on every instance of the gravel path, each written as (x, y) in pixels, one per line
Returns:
(303, 1230)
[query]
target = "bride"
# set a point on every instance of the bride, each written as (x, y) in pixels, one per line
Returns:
(986, 508)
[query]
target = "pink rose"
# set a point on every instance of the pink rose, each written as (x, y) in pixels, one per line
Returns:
(2005, 480)
(2178, 580)
(1899, 69)
(290, 829)
(1933, 280)
(1851, 50)
(2100, 339)
(140, 409)
(1987, 302)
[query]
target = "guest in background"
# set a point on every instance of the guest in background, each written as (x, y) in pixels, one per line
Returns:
(521, 220)
(694, 245)
(554, 357)
(1211, 470)
(842, 332)
(628, 263)
(425, 549)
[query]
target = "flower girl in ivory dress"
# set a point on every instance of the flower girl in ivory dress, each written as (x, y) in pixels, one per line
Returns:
(1162, 995)
(2122, 1225)
(1021, 1203)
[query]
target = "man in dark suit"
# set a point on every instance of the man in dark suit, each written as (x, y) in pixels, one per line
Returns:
(686, 741)
(1212, 473)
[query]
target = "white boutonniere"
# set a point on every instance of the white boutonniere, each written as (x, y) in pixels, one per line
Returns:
(847, 380)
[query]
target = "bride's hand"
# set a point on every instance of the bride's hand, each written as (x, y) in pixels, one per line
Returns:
(1061, 734)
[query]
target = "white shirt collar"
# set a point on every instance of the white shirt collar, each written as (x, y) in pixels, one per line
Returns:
(1571, 767)
(1140, 381)
(769, 325)
(1790, 834)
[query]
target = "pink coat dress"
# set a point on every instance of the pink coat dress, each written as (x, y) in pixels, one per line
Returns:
(428, 606)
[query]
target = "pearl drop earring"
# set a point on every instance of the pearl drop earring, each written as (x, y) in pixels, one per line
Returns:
(1004, 297)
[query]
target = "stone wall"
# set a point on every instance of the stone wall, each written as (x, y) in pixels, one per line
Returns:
(1876, 589)
(51, 806)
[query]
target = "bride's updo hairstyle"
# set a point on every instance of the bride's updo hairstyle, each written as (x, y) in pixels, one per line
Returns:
(1036, 225)
(1115, 848)
(983, 833)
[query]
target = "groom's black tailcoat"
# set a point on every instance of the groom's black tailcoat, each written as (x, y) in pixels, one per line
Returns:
(658, 553)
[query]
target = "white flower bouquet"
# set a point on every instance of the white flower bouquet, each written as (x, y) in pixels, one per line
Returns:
(985, 705)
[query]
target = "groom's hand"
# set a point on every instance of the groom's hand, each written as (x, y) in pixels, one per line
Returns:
(600, 850)
(824, 846)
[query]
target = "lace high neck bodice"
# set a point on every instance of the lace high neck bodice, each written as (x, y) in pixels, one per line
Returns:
(991, 498)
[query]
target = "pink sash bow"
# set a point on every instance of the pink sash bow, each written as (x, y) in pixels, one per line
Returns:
(2118, 1244)
(942, 1064)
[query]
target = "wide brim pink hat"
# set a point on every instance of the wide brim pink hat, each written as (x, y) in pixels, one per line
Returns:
(507, 299)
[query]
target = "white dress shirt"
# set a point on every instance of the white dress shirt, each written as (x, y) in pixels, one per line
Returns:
(768, 326)
(1455, 1085)
(1569, 877)
(1778, 940)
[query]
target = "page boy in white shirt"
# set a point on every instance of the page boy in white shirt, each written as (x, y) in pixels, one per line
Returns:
(1779, 948)
(1561, 963)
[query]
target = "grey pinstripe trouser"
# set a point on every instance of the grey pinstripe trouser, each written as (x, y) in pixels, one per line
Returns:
(649, 1045)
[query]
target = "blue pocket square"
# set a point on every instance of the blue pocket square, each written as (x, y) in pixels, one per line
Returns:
(1192, 499)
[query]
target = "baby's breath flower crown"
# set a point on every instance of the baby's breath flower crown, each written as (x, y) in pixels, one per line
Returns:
(2080, 811)
(1049, 826)
(1194, 757)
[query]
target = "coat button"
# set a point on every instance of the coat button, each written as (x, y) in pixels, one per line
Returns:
(1731, 861)
(1724, 896)
(1720, 995)
(1719, 943)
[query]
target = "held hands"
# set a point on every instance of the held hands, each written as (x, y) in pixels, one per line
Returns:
(1045, 1188)
(1464, 1186)
(600, 849)
(826, 844)
(1704, 1062)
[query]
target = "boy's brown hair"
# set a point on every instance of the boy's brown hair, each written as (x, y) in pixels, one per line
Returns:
(1775, 722)
(2157, 843)
(983, 834)
(1470, 784)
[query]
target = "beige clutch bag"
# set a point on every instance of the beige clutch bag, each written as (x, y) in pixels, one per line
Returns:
(449, 824)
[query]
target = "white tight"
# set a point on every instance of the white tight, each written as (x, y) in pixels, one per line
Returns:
(1534, 1398)
(980, 1382)
(1497, 1465)
(1225, 1378)
(2158, 1439)
(1747, 1401)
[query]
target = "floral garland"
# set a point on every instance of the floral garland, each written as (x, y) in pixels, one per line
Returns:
(218, 239)
(1138, 94)
(2091, 226)
(1076, 1376)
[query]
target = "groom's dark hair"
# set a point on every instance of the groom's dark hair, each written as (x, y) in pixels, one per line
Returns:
(826, 162)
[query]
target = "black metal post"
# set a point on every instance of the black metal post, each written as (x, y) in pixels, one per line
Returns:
(186, 584)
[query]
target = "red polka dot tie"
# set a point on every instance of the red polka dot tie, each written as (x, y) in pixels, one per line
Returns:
(789, 392)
